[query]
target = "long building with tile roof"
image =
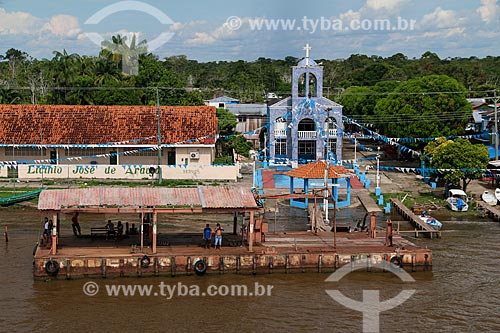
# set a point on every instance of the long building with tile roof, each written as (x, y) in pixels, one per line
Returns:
(61, 134)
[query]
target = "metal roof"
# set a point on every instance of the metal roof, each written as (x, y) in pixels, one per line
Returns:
(248, 109)
(223, 99)
(205, 197)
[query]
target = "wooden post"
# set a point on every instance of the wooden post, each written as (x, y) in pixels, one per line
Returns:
(142, 231)
(388, 240)
(251, 238)
(155, 220)
(373, 225)
(334, 222)
(235, 223)
(53, 250)
(6, 233)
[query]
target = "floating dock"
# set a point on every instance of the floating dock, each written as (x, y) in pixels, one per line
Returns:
(152, 253)
(421, 228)
(281, 253)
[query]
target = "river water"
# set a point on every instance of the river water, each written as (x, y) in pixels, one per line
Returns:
(462, 294)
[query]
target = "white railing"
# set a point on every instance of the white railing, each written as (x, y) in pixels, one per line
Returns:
(280, 133)
(307, 134)
(304, 134)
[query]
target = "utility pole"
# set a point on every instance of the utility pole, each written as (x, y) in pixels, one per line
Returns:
(378, 167)
(495, 100)
(158, 115)
(327, 134)
(355, 157)
(41, 152)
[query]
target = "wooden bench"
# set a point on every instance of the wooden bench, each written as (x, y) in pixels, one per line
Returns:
(99, 231)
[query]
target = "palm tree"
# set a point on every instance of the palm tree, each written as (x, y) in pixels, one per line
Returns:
(66, 68)
(129, 54)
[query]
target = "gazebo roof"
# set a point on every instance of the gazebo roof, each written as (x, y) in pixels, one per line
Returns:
(316, 170)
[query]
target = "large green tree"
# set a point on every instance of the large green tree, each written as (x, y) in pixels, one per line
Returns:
(463, 159)
(429, 106)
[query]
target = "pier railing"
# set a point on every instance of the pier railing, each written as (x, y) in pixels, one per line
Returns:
(421, 227)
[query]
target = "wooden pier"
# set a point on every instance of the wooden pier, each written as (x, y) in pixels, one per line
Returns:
(491, 210)
(368, 202)
(421, 228)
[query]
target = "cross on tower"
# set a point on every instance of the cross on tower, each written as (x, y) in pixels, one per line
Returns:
(307, 48)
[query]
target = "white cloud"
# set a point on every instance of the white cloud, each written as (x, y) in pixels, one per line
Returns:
(386, 5)
(176, 26)
(441, 18)
(223, 32)
(63, 26)
(18, 23)
(350, 15)
(489, 10)
(201, 38)
(22, 23)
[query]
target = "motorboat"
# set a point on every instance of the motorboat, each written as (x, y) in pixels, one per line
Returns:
(490, 198)
(457, 200)
(431, 221)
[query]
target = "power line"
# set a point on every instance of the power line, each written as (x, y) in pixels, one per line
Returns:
(207, 89)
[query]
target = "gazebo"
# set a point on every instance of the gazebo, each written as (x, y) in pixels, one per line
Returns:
(337, 177)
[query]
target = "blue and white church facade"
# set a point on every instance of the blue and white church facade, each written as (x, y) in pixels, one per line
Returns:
(306, 126)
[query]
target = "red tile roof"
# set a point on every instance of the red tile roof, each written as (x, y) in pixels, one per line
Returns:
(316, 170)
(76, 124)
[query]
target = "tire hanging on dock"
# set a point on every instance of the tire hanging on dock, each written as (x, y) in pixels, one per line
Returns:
(145, 261)
(200, 267)
(52, 267)
(397, 261)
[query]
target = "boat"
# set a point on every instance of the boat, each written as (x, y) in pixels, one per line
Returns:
(14, 199)
(457, 200)
(431, 221)
(497, 194)
(490, 198)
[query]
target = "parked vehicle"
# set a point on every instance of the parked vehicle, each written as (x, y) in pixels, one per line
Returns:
(457, 200)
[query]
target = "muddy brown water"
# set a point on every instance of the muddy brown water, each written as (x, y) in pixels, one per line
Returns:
(462, 294)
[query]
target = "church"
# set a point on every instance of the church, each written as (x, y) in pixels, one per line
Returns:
(305, 127)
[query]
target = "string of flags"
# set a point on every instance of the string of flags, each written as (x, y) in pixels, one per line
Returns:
(433, 170)
(10, 164)
(78, 146)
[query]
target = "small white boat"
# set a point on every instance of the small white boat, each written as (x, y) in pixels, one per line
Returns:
(457, 200)
(497, 194)
(489, 197)
(431, 221)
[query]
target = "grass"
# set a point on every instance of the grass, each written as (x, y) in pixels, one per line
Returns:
(164, 183)
(429, 198)
(410, 201)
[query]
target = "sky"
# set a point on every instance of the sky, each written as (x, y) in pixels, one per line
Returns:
(229, 30)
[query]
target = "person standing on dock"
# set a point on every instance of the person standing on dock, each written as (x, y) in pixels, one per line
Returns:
(77, 231)
(46, 231)
(207, 236)
(218, 236)
(119, 230)
(50, 231)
